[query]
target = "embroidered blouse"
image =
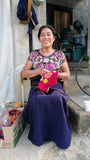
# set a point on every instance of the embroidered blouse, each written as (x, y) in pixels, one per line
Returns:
(52, 62)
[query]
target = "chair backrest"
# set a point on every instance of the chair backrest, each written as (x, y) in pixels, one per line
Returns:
(64, 85)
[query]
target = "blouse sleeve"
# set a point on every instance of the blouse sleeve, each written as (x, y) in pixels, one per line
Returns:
(63, 57)
(32, 56)
(29, 58)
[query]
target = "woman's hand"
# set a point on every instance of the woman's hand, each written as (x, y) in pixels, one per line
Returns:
(42, 71)
(65, 74)
(29, 73)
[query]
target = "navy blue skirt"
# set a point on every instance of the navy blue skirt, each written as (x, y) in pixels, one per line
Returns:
(48, 116)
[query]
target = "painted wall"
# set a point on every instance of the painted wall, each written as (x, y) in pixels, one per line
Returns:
(21, 45)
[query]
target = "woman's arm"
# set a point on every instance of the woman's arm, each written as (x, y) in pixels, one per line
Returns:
(29, 73)
(65, 74)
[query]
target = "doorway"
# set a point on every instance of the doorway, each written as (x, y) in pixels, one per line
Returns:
(59, 17)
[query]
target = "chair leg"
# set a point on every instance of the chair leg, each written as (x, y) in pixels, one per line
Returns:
(64, 85)
(22, 83)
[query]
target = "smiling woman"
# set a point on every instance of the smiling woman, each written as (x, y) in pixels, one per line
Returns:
(46, 40)
(47, 110)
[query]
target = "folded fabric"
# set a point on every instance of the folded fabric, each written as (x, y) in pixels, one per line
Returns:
(48, 80)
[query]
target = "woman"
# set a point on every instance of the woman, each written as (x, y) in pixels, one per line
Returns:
(47, 113)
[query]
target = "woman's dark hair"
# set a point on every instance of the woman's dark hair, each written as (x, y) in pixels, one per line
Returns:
(46, 26)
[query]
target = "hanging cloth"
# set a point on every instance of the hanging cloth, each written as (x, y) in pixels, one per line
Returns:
(6, 54)
(22, 10)
(33, 20)
(26, 14)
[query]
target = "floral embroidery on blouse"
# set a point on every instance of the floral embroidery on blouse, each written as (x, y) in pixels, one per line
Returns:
(51, 62)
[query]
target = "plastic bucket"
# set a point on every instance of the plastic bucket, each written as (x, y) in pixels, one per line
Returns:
(77, 53)
(77, 39)
(68, 54)
(87, 105)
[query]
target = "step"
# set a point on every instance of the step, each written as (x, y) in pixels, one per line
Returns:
(83, 64)
(78, 117)
(72, 87)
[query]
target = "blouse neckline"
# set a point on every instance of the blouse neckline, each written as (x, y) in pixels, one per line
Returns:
(46, 56)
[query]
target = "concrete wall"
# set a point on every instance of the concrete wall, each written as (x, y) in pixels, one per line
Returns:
(21, 48)
(80, 12)
(41, 15)
(21, 44)
(80, 9)
(68, 3)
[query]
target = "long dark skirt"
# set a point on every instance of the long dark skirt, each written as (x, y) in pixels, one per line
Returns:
(48, 116)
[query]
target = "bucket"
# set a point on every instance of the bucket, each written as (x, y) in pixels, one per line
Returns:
(77, 39)
(87, 105)
(77, 53)
(68, 54)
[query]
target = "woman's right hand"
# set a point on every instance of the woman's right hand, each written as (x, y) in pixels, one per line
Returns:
(42, 71)
(29, 73)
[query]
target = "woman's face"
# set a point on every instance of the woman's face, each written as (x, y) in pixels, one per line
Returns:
(46, 38)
